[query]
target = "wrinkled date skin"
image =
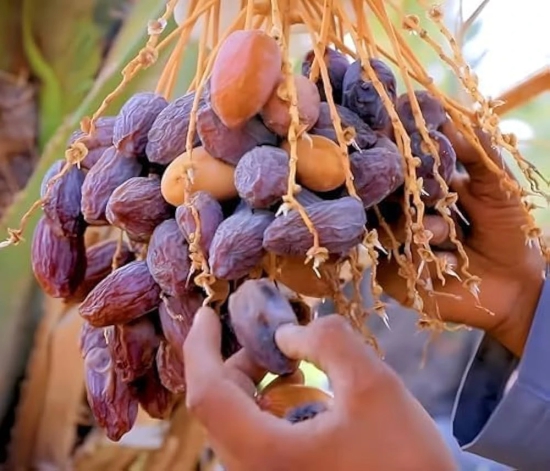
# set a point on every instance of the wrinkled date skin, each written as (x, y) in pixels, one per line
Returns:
(58, 263)
(227, 144)
(111, 171)
(237, 245)
(111, 400)
(168, 135)
(92, 157)
(134, 122)
(168, 258)
(171, 368)
(340, 224)
(377, 173)
(337, 64)
(102, 136)
(91, 337)
(261, 176)
(126, 294)
(137, 207)
(99, 264)
(210, 215)
(133, 347)
(447, 157)
(62, 202)
(432, 111)
(360, 96)
(363, 135)
(155, 399)
(176, 317)
(257, 309)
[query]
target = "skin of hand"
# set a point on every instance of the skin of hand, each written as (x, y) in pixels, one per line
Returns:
(511, 271)
(374, 423)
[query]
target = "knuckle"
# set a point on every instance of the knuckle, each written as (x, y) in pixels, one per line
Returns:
(331, 328)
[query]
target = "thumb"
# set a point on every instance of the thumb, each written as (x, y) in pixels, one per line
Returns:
(331, 344)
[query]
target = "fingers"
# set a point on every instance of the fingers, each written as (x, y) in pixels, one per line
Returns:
(334, 347)
(228, 413)
(471, 156)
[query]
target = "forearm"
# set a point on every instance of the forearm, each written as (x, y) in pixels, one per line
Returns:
(512, 428)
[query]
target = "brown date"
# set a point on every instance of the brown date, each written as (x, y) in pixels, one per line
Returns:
(377, 172)
(431, 109)
(62, 200)
(133, 347)
(171, 369)
(168, 258)
(91, 337)
(58, 263)
(340, 224)
(257, 309)
(99, 265)
(111, 171)
(176, 315)
(134, 122)
(237, 245)
(210, 215)
(92, 157)
(127, 293)
(155, 399)
(102, 136)
(168, 135)
(137, 207)
(357, 129)
(261, 176)
(228, 144)
(111, 400)
(246, 70)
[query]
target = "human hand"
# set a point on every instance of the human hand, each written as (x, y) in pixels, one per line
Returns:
(511, 271)
(374, 422)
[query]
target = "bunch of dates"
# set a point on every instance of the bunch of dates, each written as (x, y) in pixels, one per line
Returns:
(138, 295)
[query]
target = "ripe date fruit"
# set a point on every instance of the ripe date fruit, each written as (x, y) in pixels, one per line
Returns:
(134, 122)
(127, 293)
(246, 70)
(337, 64)
(102, 136)
(340, 224)
(168, 134)
(58, 263)
(257, 309)
(320, 165)
(447, 157)
(99, 258)
(261, 177)
(63, 200)
(176, 314)
(360, 96)
(210, 215)
(168, 259)
(352, 125)
(432, 111)
(170, 367)
(137, 207)
(377, 172)
(111, 400)
(111, 171)
(229, 145)
(276, 112)
(92, 157)
(133, 347)
(155, 399)
(209, 174)
(91, 337)
(237, 245)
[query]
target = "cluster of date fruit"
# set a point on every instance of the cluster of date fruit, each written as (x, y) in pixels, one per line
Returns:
(138, 295)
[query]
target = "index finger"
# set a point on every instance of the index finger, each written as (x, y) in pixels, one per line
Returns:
(230, 416)
(489, 168)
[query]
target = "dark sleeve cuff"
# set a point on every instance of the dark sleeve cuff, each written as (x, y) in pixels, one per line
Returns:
(511, 428)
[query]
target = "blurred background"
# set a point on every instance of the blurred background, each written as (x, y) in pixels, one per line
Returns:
(58, 60)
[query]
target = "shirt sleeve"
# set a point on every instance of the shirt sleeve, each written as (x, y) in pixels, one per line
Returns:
(511, 427)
